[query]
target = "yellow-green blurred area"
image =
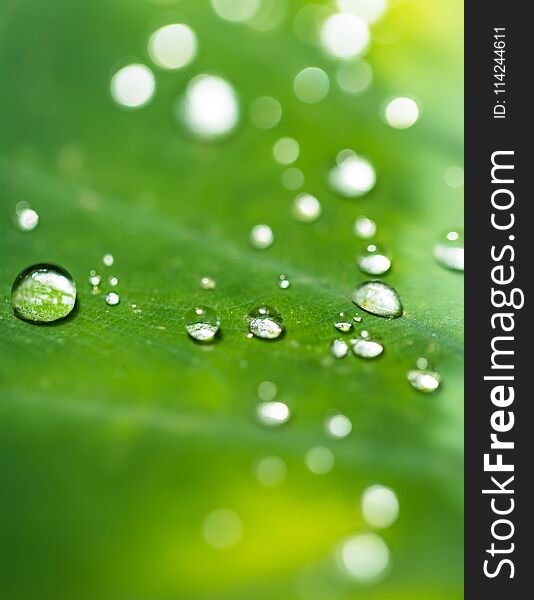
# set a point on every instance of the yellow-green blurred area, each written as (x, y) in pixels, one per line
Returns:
(119, 435)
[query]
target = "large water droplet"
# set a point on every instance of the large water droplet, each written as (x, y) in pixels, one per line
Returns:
(353, 176)
(449, 251)
(424, 380)
(112, 299)
(43, 293)
(265, 322)
(373, 260)
(202, 323)
(366, 348)
(378, 298)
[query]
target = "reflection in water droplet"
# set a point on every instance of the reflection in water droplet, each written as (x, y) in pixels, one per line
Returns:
(173, 46)
(286, 150)
(265, 322)
(380, 506)
(402, 113)
(207, 283)
(342, 322)
(344, 35)
(261, 236)
(339, 348)
(43, 293)
(209, 108)
(352, 176)
(265, 112)
(283, 282)
(366, 348)
(338, 426)
(449, 251)
(365, 556)
(424, 380)
(319, 460)
(271, 471)
(273, 413)
(378, 298)
(364, 228)
(306, 208)
(112, 299)
(202, 323)
(311, 85)
(293, 178)
(354, 78)
(133, 86)
(373, 260)
(223, 528)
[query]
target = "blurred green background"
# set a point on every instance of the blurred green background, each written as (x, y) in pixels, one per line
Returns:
(118, 434)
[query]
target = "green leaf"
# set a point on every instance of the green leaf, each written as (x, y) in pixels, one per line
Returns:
(118, 433)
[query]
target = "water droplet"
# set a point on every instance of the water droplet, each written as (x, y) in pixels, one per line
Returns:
(364, 228)
(424, 380)
(94, 279)
(311, 85)
(319, 460)
(293, 178)
(207, 283)
(378, 298)
(133, 86)
(273, 413)
(210, 108)
(267, 391)
(339, 348)
(306, 208)
(223, 528)
(354, 78)
(108, 260)
(265, 112)
(26, 218)
(202, 323)
(283, 282)
(338, 426)
(421, 363)
(271, 471)
(352, 176)
(261, 236)
(380, 506)
(365, 556)
(239, 11)
(449, 251)
(373, 260)
(173, 46)
(112, 299)
(401, 113)
(43, 293)
(342, 322)
(366, 348)
(344, 35)
(113, 281)
(286, 150)
(265, 322)
(356, 318)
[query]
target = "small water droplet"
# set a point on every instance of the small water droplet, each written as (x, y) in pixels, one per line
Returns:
(378, 298)
(364, 228)
(422, 363)
(265, 322)
(271, 471)
(112, 299)
(319, 460)
(449, 251)
(352, 176)
(267, 391)
(265, 112)
(424, 380)
(108, 260)
(338, 426)
(202, 323)
(366, 348)
(339, 348)
(342, 322)
(293, 178)
(401, 113)
(356, 318)
(306, 208)
(380, 506)
(273, 413)
(286, 150)
(373, 260)
(283, 282)
(113, 281)
(94, 279)
(43, 293)
(207, 283)
(26, 218)
(261, 236)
